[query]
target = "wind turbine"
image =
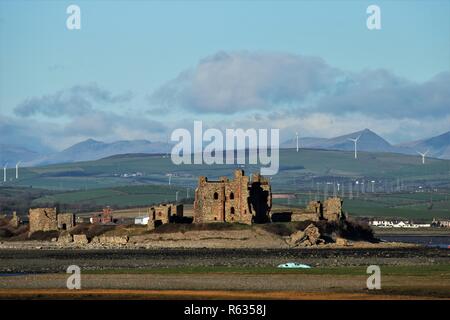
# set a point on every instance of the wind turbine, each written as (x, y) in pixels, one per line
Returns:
(4, 172)
(355, 141)
(17, 169)
(296, 136)
(423, 155)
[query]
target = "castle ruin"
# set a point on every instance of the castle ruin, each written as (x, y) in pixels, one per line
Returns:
(233, 200)
(330, 210)
(164, 213)
(43, 219)
(48, 219)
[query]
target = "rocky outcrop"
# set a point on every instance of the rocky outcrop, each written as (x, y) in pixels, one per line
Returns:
(80, 239)
(341, 242)
(308, 237)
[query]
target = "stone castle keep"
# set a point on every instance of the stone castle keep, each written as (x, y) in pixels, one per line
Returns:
(236, 200)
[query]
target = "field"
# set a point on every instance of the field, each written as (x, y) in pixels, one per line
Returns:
(297, 170)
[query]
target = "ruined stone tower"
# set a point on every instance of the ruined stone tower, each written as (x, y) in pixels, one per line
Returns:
(236, 200)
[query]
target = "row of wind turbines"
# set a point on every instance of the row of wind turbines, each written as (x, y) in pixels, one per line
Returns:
(355, 142)
(6, 166)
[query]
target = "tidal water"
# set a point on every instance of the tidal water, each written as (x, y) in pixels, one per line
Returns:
(440, 241)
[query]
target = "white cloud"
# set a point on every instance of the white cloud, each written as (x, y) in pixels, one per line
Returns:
(239, 81)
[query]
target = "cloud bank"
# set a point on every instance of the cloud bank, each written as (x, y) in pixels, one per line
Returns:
(239, 81)
(233, 82)
(242, 90)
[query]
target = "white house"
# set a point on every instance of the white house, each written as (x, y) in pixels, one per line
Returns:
(141, 220)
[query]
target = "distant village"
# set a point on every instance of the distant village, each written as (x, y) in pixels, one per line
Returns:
(437, 223)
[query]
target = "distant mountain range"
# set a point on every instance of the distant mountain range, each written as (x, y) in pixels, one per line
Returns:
(12, 154)
(439, 147)
(84, 151)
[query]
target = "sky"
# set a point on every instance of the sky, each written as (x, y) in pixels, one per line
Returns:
(140, 69)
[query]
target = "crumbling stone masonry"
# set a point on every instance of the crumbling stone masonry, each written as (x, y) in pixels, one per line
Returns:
(236, 200)
(104, 239)
(330, 210)
(66, 221)
(164, 213)
(312, 212)
(43, 219)
(308, 237)
(80, 239)
(48, 219)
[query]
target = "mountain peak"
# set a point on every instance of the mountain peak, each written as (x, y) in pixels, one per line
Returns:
(90, 141)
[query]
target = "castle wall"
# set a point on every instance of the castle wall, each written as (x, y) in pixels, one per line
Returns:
(43, 219)
(66, 221)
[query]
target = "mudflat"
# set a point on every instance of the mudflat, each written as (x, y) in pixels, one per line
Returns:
(54, 261)
(407, 273)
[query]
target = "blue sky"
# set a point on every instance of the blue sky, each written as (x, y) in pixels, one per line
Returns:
(140, 66)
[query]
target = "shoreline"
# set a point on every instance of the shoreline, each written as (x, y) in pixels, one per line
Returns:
(159, 245)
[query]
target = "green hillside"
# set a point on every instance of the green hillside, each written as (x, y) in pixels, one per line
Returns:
(295, 168)
(402, 186)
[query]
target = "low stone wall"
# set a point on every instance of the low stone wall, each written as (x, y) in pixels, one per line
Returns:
(304, 216)
(104, 239)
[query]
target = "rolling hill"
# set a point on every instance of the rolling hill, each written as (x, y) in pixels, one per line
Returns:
(295, 168)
